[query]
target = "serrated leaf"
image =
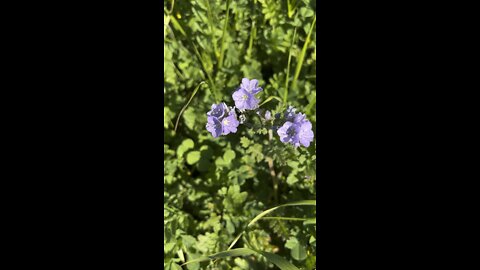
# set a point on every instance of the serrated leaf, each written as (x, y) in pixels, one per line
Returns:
(245, 142)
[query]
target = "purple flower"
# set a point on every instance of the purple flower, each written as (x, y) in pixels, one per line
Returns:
(230, 123)
(218, 110)
(305, 135)
(290, 114)
(289, 133)
(214, 126)
(244, 100)
(296, 130)
(221, 120)
(251, 86)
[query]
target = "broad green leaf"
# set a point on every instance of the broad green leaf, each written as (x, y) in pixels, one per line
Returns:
(186, 145)
(193, 157)
(297, 251)
(229, 156)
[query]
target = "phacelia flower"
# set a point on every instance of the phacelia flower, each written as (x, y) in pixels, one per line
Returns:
(289, 133)
(230, 123)
(251, 86)
(244, 100)
(290, 114)
(214, 126)
(221, 120)
(305, 135)
(296, 130)
(218, 110)
(244, 97)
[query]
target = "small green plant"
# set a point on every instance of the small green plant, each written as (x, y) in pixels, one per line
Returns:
(243, 196)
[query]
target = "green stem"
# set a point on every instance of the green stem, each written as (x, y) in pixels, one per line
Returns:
(272, 170)
(186, 105)
(286, 218)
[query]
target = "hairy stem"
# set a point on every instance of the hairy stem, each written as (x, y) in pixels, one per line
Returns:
(272, 171)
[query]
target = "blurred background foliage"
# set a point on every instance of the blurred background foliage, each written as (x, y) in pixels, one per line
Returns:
(213, 187)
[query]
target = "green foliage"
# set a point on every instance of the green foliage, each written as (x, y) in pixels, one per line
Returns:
(215, 188)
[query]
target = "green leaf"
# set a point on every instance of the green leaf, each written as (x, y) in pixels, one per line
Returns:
(184, 147)
(168, 247)
(245, 142)
(292, 178)
(297, 251)
(189, 116)
(167, 116)
(280, 262)
(193, 157)
(176, 267)
(229, 156)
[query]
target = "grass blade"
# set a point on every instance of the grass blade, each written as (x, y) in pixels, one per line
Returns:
(288, 67)
(310, 221)
(186, 105)
(197, 260)
(258, 217)
(224, 254)
(287, 218)
(270, 98)
(232, 253)
(280, 262)
(266, 212)
(302, 54)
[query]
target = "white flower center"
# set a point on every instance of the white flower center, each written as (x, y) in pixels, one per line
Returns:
(226, 122)
(244, 97)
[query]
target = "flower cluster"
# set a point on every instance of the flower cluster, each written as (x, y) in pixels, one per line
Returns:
(221, 120)
(294, 128)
